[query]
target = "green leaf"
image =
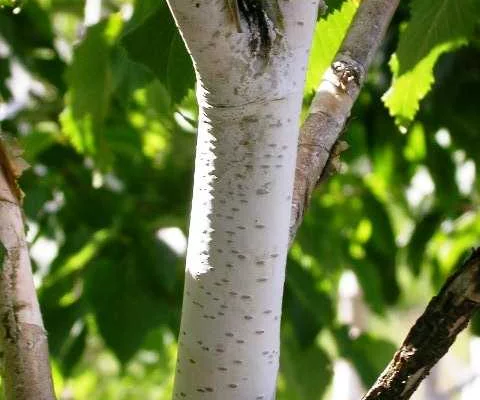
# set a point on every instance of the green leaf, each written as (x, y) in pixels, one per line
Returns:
(327, 249)
(59, 321)
(159, 262)
(124, 307)
(159, 99)
(83, 257)
(434, 29)
(382, 236)
(158, 30)
(371, 284)
(304, 287)
(90, 88)
(385, 266)
(423, 232)
(127, 77)
(9, 3)
(157, 44)
(180, 74)
(442, 168)
(72, 353)
(455, 100)
(416, 148)
(369, 354)
(143, 10)
(306, 372)
(304, 323)
(327, 39)
(381, 249)
(334, 5)
(35, 143)
(475, 324)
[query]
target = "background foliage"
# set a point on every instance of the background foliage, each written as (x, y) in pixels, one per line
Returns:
(107, 117)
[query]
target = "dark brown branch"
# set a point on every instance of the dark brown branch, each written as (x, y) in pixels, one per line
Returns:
(432, 335)
(334, 99)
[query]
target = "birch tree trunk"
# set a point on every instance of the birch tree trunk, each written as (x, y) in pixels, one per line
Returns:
(250, 58)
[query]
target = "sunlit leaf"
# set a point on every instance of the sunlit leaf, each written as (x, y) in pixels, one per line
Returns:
(434, 29)
(416, 145)
(328, 36)
(90, 88)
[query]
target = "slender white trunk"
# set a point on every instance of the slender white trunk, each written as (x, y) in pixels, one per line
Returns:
(246, 149)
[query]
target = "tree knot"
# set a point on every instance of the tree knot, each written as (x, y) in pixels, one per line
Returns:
(264, 21)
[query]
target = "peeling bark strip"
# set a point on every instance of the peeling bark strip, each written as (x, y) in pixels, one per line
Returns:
(25, 368)
(8, 171)
(432, 335)
(334, 99)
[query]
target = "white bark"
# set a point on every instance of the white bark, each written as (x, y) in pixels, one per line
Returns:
(244, 171)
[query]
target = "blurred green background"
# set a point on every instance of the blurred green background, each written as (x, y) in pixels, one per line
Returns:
(101, 96)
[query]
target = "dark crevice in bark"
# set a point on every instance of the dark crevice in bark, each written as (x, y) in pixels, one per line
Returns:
(9, 173)
(264, 21)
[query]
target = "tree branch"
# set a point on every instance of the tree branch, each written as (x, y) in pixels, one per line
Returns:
(334, 99)
(23, 340)
(432, 335)
(319, 146)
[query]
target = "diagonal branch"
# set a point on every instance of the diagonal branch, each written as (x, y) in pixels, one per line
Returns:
(334, 99)
(432, 335)
(449, 312)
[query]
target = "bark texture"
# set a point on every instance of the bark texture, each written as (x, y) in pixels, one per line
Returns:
(250, 59)
(432, 335)
(334, 99)
(25, 367)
